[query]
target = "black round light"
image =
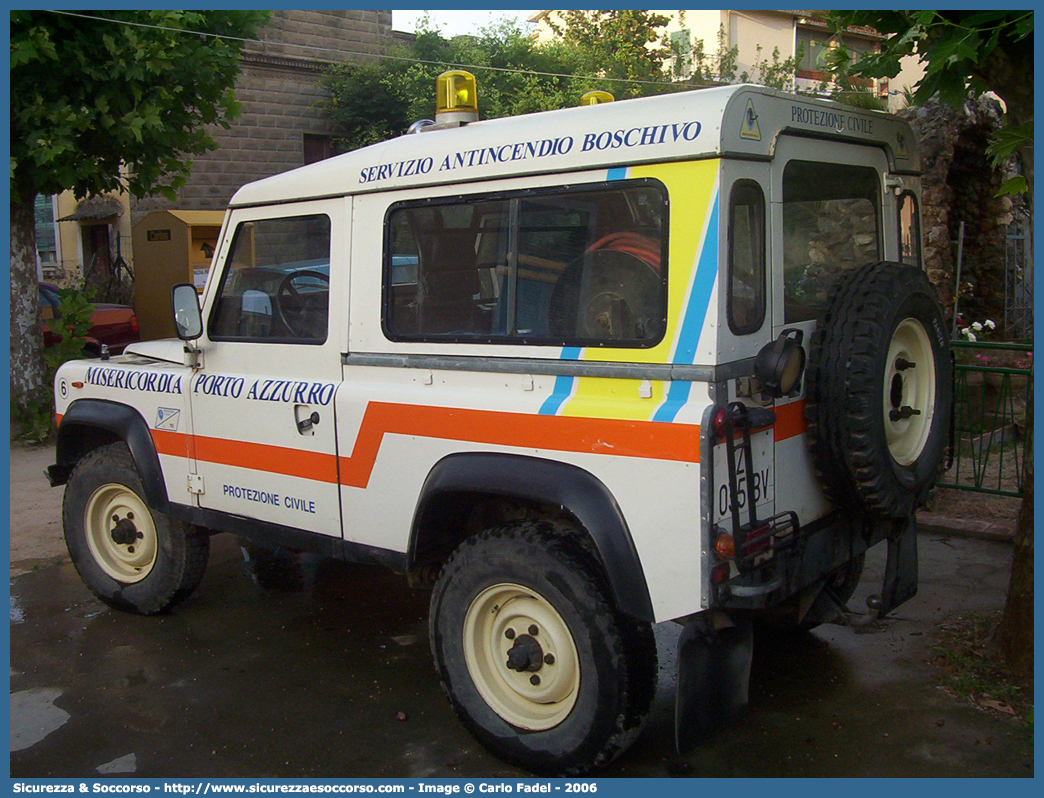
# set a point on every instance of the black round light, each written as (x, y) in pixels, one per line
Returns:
(780, 364)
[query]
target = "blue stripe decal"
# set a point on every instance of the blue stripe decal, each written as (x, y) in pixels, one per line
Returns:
(699, 298)
(619, 173)
(563, 386)
(695, 316)
(677, 396)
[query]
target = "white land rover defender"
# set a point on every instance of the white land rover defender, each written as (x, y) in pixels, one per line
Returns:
(555, 364)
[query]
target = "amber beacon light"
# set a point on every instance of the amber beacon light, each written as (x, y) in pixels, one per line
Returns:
(596, 98)
(456, 98)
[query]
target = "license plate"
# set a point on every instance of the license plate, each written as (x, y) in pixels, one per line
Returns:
(764, 480)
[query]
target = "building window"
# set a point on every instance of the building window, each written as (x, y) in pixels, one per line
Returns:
(317, 148)
(812, 44)
(576, 267)
(46, 239)
(681, 53)
(831, 226)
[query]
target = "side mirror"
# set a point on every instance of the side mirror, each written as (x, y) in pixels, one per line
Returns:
(188, 321)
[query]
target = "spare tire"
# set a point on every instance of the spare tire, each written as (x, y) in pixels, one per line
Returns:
(880, 391)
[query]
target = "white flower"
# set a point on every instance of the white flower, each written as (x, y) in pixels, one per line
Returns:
(990, 325)
(971, 336)
(966, 331)
(976, 326)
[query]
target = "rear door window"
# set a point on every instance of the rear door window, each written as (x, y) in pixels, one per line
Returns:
(831, 226)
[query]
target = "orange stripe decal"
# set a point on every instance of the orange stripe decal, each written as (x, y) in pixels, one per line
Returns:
(263, 457)
(790, 420)
(624, 438)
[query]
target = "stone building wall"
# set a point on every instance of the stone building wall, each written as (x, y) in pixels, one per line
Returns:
(279, 91)
(958, 185)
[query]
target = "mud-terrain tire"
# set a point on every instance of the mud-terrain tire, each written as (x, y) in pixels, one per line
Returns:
(880, 391)
(273, 568)
(131, 557)
(519, 593)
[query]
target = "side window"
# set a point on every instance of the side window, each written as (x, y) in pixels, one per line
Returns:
(909, 230)
(567, 267)
(746, 300)
(831, 225)
(276, 282)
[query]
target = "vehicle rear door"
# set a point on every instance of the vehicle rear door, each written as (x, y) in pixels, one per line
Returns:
(827, 211)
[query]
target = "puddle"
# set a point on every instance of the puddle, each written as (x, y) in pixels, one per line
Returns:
(124, 764)
(17, 611)
(34, 716)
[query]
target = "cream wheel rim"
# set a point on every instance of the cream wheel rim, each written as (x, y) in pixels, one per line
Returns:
(521, 656)
(909, 392)
(120, 533)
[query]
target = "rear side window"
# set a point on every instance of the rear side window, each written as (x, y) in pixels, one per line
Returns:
(276, 285)
(909, 230)
(746, 303)
(831, 226)
(583, 267)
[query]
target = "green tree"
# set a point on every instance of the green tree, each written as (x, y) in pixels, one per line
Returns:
(625, 45)
(378, 101)
(89, 95)
(963, 52)
(971, 52)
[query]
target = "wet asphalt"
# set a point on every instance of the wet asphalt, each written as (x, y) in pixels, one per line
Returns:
(331, 676)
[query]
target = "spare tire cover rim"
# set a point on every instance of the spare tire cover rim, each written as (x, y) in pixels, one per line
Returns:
(908, 391)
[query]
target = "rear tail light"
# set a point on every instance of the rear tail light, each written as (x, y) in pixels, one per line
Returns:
(720, 573)
(724, 546)
(134, 323)
(719, 422)
(758, 540)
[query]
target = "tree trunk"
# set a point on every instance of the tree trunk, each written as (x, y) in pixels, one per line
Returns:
(1015, 634)
(27, 366)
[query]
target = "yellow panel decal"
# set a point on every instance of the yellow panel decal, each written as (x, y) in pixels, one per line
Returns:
(691, 192)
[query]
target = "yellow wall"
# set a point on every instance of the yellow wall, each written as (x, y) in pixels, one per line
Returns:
(70, 239)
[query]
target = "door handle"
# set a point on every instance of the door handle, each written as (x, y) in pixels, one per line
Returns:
(305, 425)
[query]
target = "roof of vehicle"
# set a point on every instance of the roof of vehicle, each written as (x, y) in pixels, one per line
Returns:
(731, 121)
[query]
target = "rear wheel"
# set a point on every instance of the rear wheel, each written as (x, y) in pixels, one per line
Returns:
(538, 664)
(131, 557)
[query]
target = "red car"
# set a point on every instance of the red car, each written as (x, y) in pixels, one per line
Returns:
(113, 325)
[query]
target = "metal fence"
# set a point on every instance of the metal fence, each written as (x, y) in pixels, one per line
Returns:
(990, 433)
(1018, 279)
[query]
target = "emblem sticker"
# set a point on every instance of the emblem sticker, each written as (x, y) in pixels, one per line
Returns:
(167, 418)
(900, 146)
(750, 128)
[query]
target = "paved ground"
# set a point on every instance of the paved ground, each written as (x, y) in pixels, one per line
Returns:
(334, 678)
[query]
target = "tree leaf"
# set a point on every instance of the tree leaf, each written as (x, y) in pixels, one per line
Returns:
(1014, 186)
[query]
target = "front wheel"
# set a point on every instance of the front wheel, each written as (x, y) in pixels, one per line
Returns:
(131, 557)
(538, 664)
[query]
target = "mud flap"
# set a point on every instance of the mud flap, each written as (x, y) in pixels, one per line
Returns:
(713, 679)
(900, 580)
